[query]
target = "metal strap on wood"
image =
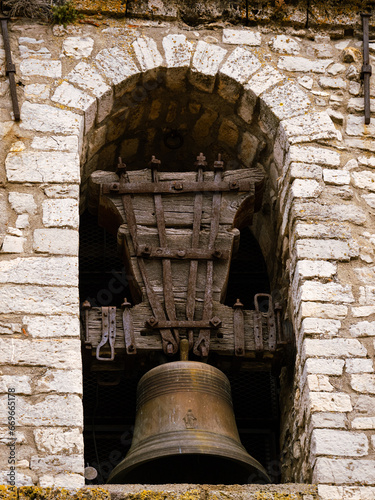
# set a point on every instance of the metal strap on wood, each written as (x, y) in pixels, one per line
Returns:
(238, 329)
(108, 333)
(166, 263)
(193, 270)
(128, 327)
(202, 344)
(271, 323)
(170, 345)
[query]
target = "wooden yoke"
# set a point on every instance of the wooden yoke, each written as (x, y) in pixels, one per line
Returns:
(177, 232)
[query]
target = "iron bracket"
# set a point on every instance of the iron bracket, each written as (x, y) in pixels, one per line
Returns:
(127, 323)
(239, 329)
(108, 333)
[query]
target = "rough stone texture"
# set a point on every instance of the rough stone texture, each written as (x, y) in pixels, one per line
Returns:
(78, 47)
(206, 61)
(56, 241)
(38, 300)
(341, 471)
(242, 37)
(40, 271)
(178, 51)
(364, 383)
(58, 440)
(147, 53)
(44, 118)
(240, 65)
(333, 348)
(62, 212)
(37, 67)
(42, 167)
(340, 443)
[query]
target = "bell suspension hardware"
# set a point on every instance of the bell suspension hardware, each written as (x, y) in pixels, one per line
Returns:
(238, 329)
(10, 68)
(108, 333)
(85, 307)
(366, 70)
(127, 324)
(271, 323)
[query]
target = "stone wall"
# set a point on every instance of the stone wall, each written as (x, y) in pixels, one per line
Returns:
(290, 100)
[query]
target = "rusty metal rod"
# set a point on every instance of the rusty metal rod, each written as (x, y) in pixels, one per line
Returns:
(10, 68)
(366, 68)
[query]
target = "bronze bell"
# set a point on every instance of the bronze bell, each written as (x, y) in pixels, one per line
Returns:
(185, 431)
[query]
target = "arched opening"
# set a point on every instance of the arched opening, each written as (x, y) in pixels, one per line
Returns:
(175, 126)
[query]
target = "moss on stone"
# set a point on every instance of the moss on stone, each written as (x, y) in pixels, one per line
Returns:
(164, 495)
(8, 492)
(38, 493)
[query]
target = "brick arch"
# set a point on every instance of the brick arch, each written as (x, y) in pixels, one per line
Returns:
(78, 114)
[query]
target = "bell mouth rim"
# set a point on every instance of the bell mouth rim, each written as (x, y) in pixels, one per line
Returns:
(182, 364)
(235, 452)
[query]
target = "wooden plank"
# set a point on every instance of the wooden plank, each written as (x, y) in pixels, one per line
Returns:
(147, 340)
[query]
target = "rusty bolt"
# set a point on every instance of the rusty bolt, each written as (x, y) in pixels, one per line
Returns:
(152, 321)
(114, 186)
(217, 254)
(86, 305)
(146, 250)
(239, 350)
(238, 304)
(159, 250)
(178, 186)
(131, 348)
(233, 185)
(181, 253)
(215, 322)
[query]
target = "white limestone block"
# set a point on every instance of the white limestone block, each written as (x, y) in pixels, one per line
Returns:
(355, 125)
(6, 439)
(319, 383)
(311, 154)
(13, 244)
(328, 401)
(363, 423)
(116, 64)
(328, 420)
(42, 167)
(75, 481)
(367, 161)
(322, 249)
(21, 479)
(240, 65)
(59, 380)
(303, 65)
(57, 463)
(62, 191)
(22, 221)
(22, 202)
(363, 329)
(87, 78)
(315, 268)
(37, 90)
(40, 67)
(285, 101)
(337, 177)
(77, 46)
(319, 310)
(177, 50)
(284, 44)
(45, 118)
(367, 295)
(344, 471)
(321, 326)
(369, 199)
(363, 383)
(326, 292)
(359, 366)
(205, 65)
(40, 271)
(53, 410)
(147, 53)
(32, 299)
(333, 348)
(21, 383)
(62, 353)
(310, 127)
(331, 229)
(340, 212)
(363, 311)
(56, 241)
(324, 366)
(56, 143)
(336, 68)
(242, 37)
(327, 82)
(302, 188)
(52, 326)
(60, 212)
(58, 440)
(72, 97)
(340, 443)
(364, 180)
(357, 105)
(301, 170)
(264, 79)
